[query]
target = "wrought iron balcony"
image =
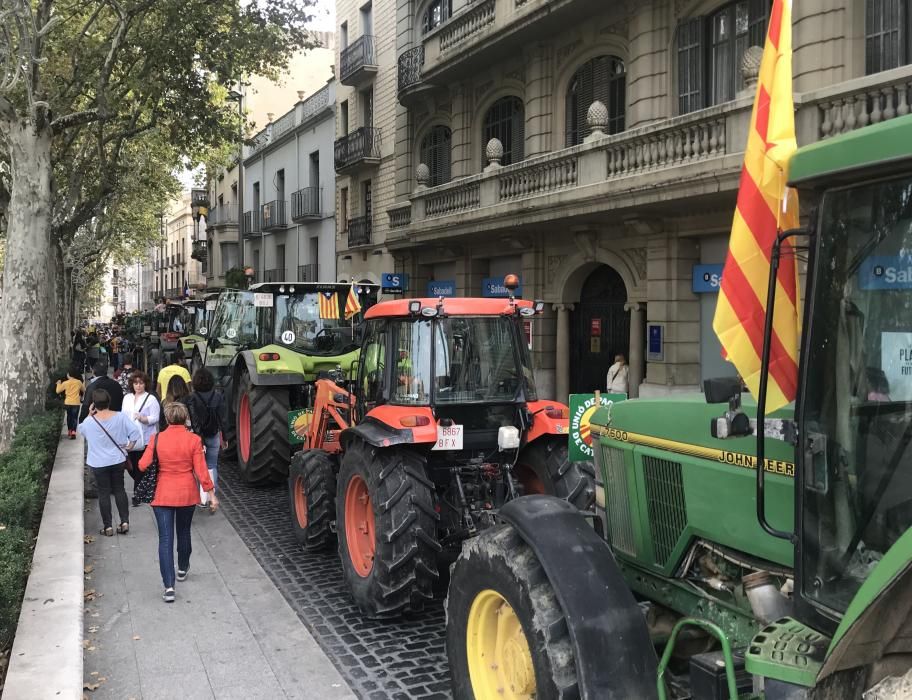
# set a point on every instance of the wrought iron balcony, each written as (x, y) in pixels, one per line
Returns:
(251, 224)
(275, 275)
(275, 215)
(358, 62)
(410, 63)
(306, 204)
(359, 231)
(309, 273)
(223, 215)
(199, 251)
(360, 148)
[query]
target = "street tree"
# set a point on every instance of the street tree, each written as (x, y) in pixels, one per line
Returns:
(81, 82)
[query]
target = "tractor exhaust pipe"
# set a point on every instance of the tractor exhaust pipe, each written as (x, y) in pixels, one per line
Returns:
(767, 603)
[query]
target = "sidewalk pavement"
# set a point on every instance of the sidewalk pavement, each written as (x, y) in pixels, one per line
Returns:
(230, 633)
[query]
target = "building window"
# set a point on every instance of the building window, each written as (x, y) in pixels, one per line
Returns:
(438, 12)
(435, 153)
(888, 34)
(603, 79)
(505, 121)
(709, 51)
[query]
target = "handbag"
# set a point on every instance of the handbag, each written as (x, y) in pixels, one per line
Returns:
(144, 489)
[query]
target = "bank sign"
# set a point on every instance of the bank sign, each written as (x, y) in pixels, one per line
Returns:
(582, 407)
(494, 287)
(441, 288)
(886, 272)
(706, 278)
(394, 282)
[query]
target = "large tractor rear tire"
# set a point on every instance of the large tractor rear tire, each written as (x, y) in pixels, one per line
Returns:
(263, 448)
(312, 498)
(544, 467)
(506, 635)
(387, 529)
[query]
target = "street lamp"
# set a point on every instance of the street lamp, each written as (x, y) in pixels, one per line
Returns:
(161, 255)
(236, 96)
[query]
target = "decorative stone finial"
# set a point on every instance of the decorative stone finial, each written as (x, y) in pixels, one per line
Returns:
(422, 175)
(494, 153)
(750, 65)
(270, 116)
(597, 119)
(301, 94)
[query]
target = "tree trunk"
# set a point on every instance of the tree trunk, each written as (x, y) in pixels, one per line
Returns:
(24, 311)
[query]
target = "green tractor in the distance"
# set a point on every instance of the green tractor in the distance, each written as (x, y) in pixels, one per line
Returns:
(266, 346)
(704, 576)
(196, 319)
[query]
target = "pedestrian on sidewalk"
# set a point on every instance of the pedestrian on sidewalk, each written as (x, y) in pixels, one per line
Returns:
(122, 375)
(144, 410)
(177, 391)
(110, 435)
(101, 380)
(72, 388)
(175, 369)
(181, 466)
(79, 351)
(208, 418)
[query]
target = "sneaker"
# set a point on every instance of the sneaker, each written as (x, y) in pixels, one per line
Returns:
(168, 595)
(182, 575)
(135, 502)
(72, 434)
(202, 506)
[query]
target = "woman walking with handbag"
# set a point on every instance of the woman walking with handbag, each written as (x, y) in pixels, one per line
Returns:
(110, 436)
(177, 454)
(143, 409)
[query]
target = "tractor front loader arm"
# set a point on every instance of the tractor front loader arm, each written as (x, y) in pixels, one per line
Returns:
(333, 408)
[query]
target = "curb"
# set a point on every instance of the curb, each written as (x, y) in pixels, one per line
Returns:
(46, 660)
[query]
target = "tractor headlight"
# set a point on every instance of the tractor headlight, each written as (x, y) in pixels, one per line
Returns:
(429, 311)
(526, 311)
(415, 306)
(508, 438)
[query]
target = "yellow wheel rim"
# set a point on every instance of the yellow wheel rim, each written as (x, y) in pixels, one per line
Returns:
(500, 663)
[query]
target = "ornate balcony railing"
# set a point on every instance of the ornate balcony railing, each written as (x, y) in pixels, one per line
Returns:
(453, 200)
(356, 59)
(275, 275)
(466, 24)
(251, 224)
(223, 215)
(359, 231)
(362, 146)
(283, 124)
(410, 63)
(306, 204)
(275, 215)
(400, 215)
(316, 102)
(309, 273)
(199, 251)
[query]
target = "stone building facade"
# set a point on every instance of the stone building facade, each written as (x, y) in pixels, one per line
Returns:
(595, 149)
(175, 270)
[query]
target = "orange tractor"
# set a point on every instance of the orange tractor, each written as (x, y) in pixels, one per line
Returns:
(439, 425)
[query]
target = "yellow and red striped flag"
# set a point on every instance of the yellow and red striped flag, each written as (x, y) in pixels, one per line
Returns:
(329, 305)
(765, 207)
(352, 305)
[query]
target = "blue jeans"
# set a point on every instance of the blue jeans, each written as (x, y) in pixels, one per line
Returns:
(72, 417)
(213, 444)
(167, 518)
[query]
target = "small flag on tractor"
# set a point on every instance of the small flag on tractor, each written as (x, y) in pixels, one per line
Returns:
(765, 207)
(352, 305)
(329, 305)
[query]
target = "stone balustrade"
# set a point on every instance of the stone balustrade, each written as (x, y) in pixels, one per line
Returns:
(522, 180)
(400, 215)
(694, 139)
(464, 25)
(452, 199)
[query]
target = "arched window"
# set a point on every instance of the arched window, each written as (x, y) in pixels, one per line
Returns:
(888, 34)
(438, 12)
(505, 121)
(709, 52)
(435, 153)
(604, 79)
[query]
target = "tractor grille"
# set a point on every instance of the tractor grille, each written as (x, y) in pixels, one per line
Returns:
(617, 501)
(667, 510)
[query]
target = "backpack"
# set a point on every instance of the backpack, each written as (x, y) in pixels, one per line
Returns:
(202, 416)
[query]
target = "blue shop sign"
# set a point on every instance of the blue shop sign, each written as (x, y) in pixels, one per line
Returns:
(655, 346)
(441, 288)
(886, 272)
(494, 287)
(394, 282)
(707, 278)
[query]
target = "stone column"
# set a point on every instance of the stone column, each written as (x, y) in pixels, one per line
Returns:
(562, 353)
(636, 361)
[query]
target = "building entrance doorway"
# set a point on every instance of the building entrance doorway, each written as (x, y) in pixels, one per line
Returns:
(599, 329)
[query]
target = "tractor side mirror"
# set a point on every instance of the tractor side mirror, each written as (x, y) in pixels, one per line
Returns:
(722, 389)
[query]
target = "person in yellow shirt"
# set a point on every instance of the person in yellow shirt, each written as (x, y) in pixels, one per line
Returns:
(176, 368)
(72, 388)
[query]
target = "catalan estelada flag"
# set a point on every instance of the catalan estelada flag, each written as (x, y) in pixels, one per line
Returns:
(329, 305)
(765, 207)
(352, 305)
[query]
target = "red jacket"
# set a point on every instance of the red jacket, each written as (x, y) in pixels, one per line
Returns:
(181, 464)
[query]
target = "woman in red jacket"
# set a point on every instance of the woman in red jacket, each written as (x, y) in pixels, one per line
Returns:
(181, 472)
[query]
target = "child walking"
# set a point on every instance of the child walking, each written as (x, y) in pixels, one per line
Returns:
(72, 389)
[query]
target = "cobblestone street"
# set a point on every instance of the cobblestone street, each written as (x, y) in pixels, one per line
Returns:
(405, 660)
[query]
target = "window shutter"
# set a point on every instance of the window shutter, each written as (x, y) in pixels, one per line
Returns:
(691, 50)
(519, 132)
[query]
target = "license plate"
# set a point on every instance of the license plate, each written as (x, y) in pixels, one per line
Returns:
(449, 437)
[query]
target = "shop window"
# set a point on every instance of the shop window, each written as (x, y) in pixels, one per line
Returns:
(604, 79)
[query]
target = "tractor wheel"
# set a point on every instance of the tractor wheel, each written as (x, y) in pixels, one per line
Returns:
(387, 529)
(312, 497)
(545, 467)
(506, 635)
(262, 432)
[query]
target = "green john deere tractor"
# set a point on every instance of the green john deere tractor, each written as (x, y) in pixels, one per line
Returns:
(705, 576)
(266, 347)
(196, 319)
